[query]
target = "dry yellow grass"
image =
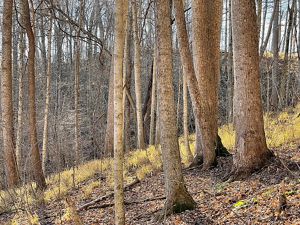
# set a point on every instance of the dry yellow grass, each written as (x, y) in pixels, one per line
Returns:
(282, 129)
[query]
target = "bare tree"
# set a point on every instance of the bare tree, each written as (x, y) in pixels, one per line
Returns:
(275, 50)
(20, 100)
(35, 154)
(177, 197)
(153, 100)
(78, 156)
(137, 79)
(121, 10)
(251, 148)
(7, 98)
(47, 103)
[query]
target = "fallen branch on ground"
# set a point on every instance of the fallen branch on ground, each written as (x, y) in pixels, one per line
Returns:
(106, 196)
(105, 205)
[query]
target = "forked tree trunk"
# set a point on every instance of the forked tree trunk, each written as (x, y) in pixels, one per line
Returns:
(177, 197)
(7, 98)
(137, 79)
(35, 153)
(194, 88)
(207, 17)
(121, 10)
(47, 103)
(251, 148)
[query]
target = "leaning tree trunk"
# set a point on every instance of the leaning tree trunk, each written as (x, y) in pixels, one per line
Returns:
(35, 153)
(177, 197)
(7, 98)
(121, 10)
(251, 149)
(137, 80)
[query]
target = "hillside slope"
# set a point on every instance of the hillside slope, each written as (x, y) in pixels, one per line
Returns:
(257, 199)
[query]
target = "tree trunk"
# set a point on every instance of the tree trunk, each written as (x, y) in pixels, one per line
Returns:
(265, 11)
(121, 9)
(47, 103)
(194, 88)
(178, 102)
(7, 98)
(186, 119)
(20, 102)
(275, 50)
(207, 16)
(137, 79)
(153, 100)
(259, 11)
(286, 55)
(157, 130)
(230, 70)
(78, 155)
(251, 149)
(127, 83)
(109, 134)
(266, 41)
(35, 153)
(177, 197)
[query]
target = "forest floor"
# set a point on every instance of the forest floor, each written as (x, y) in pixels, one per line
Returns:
(259, 199)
